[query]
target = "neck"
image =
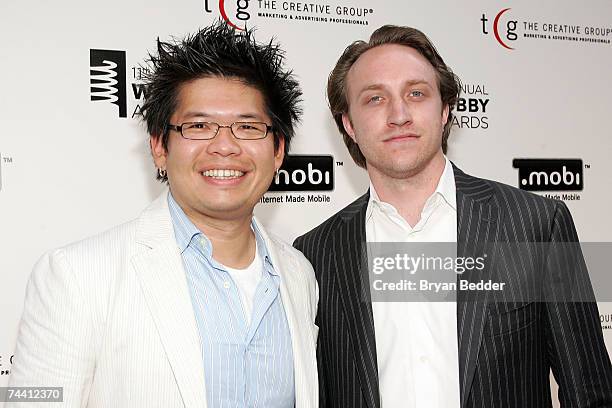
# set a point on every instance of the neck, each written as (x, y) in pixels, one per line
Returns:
(409, 194)
(233, 240)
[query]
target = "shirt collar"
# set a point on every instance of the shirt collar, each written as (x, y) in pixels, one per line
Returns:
(446, 186)
(184, 229)
(262, 249)
(185, 232)
(445, 189)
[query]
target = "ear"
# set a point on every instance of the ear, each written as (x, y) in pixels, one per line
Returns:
(445, 113)
(158, 151)
(348, 126)
(279, 153)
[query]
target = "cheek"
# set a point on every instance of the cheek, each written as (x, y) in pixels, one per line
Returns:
(268, 159)
(369, 128)
(362, 122)
(265, 158)
(437, 113)
(181, 156)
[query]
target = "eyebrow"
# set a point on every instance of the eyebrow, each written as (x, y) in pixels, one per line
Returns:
(376, 87)
(248, 115)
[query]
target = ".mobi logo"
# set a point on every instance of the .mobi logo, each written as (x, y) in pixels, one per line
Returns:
(305, 173)
(549, 174)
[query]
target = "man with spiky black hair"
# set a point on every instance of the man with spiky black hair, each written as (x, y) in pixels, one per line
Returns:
(192, 304)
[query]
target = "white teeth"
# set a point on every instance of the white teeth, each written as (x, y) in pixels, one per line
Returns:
(223, 173)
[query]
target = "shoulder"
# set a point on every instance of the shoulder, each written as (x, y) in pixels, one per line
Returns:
(286, 252)
(79, 277)
(294, 267)
(93, 262)
(503, 194)
(297, 273)
(513, 199)
(111, 252)
(518, 207)
(113, 241)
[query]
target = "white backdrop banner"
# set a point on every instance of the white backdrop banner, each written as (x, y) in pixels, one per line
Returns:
(534, 111)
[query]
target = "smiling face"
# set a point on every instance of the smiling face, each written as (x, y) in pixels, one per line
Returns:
(221, 178)
(396, 115)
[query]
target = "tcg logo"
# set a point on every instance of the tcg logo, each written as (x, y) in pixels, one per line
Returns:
(237, 9)
(503, 34)
(549, 174)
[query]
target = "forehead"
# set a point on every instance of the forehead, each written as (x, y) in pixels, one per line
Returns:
(388, 64)
(218, 96)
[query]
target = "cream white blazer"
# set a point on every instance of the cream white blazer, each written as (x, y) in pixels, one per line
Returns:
(110, 319)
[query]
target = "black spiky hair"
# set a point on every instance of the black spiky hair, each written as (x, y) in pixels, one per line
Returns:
(220, 50)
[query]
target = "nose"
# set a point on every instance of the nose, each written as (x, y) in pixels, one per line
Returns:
(224, 143)
(399, 112)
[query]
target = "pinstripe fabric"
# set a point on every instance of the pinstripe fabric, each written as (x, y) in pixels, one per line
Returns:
(110, 319)
(506, 350)
(245, 365)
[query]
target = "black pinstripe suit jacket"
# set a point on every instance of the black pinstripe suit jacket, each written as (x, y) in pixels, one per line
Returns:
(506, 350)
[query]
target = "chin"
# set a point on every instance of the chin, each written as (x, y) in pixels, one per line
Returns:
(231, 207)
(404, 170)
(222, 207)
(405, 166)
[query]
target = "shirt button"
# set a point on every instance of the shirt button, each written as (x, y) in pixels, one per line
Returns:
(423, 359)
(226, 284)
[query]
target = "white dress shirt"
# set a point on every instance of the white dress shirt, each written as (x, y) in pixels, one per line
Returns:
(416, 342)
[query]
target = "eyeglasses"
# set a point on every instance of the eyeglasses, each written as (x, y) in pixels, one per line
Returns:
(208, 130)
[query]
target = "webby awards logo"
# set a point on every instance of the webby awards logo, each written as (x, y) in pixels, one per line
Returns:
(471, 110)
(107, 78)
(110, 79)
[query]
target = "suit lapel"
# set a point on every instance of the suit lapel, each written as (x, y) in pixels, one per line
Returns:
(477, 227)
(159, 268)
(351, 271)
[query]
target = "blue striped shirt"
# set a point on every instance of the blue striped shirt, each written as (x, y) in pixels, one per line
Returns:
(245, 365)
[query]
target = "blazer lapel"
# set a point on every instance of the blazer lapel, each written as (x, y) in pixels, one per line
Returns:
(351, 264)
(294, 297)
(159, 268)
(478, 225)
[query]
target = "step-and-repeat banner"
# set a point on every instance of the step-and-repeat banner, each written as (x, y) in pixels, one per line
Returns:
(74, 160)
